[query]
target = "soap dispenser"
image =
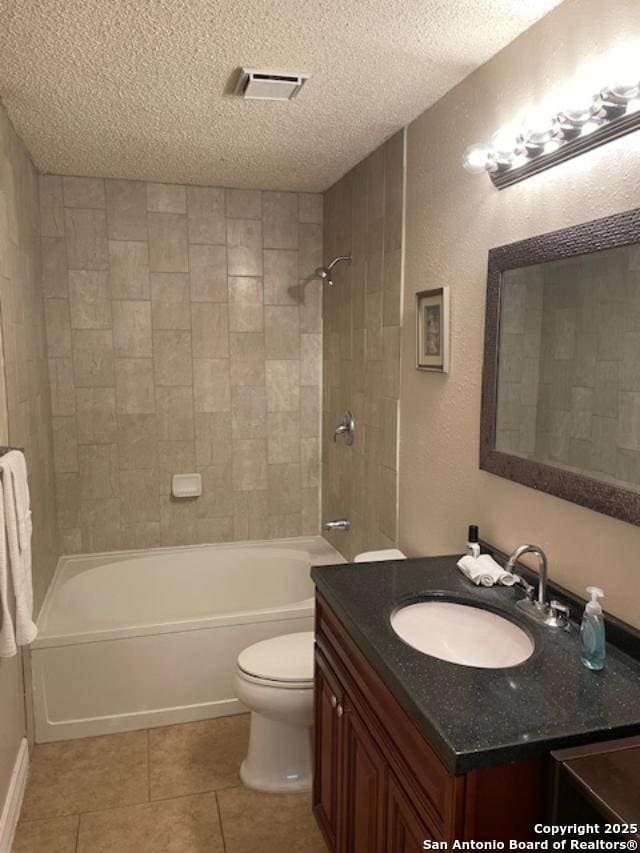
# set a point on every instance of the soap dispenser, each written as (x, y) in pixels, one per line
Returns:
(473, 541)
(592, 634)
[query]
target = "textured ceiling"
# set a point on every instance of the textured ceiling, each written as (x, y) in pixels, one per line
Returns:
(136, 88)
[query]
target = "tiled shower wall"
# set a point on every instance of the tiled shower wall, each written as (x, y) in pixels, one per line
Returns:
(364, 216)
(184, 334)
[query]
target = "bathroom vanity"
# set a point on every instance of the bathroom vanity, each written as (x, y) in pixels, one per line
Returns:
(410, 748)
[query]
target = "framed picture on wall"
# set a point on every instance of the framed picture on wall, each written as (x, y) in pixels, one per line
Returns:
(432, 338)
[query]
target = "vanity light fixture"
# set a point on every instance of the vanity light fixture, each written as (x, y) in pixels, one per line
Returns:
(544, 139)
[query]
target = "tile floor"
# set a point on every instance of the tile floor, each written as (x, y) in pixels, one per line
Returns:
(168, 790)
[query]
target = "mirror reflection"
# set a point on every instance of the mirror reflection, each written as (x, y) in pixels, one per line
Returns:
(569, 365)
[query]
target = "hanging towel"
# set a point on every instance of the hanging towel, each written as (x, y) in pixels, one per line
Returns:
(484, 571)
(15, 533)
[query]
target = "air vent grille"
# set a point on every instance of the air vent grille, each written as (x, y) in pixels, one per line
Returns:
(269, 85)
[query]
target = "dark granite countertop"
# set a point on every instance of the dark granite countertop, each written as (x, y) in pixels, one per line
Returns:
(480, 717)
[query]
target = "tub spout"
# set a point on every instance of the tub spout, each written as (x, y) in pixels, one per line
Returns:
(338, 524)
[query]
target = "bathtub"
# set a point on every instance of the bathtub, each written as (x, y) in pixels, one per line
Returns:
(135, 639)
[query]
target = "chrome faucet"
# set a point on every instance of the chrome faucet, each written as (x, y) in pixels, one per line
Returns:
(345, 429)
(553, 613)
(338, 524)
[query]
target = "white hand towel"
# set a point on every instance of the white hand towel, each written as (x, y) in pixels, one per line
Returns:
(484, 571)
(8, 646)
(17, 524)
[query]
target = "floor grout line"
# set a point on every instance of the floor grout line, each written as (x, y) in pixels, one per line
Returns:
(224, 841)
(75, 849)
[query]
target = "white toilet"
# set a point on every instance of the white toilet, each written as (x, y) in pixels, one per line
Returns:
(274, 679)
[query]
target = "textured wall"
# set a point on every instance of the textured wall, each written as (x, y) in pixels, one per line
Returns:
(25, 418)
(181, 337)
(361, 348)
(453, 219)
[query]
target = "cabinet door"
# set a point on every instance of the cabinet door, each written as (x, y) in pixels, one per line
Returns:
(328, 698)
(405, 830)
(364, 788)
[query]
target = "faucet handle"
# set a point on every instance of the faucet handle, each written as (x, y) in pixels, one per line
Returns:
(559, 614)
(529, 590)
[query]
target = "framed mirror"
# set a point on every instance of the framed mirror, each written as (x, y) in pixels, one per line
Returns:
(561, 376)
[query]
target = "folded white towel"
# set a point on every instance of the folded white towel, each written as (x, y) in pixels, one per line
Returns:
(15, 524)
(484, 571)
(379, 556)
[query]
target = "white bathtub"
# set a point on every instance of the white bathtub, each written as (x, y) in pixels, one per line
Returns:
(136, 639)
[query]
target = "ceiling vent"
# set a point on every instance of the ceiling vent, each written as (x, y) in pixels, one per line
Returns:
(269, 85)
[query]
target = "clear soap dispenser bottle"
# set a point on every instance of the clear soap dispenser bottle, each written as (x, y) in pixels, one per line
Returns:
(592, 634)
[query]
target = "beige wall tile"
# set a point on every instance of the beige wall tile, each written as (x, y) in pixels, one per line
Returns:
(310, 462)
(126, 210)
(172, 357)
(208, 273)
(143, 535)
(389, 456)
(134, 386)
(373, 340)
(68, 500)
(166, 198)
(61, 384)
(391, 361)
(375, 255)
(217, 495)
(174, 457)
(98, 471)
(392, 297)
(86, 236)
(246, 310)
(244, 247)
(310, 207)
(387, 505)
(213, 437)
(212, 530)
(128, 269)
(311, 359)
(311, 307)
(283, 437)
(170, 305)
(393, 191)
(249, 412)
(178, 524)
(247, 353)
(283, 386)
(281, 286)
(89, 299)
(53, 252)
(58, 324)
(84, 192)
(205, 207)
(211, 385)
(168, 250)
(284, 488)
(96, 415)
(132, 329)
(175, 413)
(92, 358)
(210, 325)
(249, 464)
(65, 445)
(284, 526)
(70, 541)
(137, 441)
(243, 204)
(139, 495)
(310, 254)
(310, 399)
(101, 529)
(280, 220)
(51, 206)
(282, 331)
(310, 514)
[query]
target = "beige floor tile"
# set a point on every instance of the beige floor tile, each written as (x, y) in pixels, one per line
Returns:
(196, 757)
(54, 835)
(270, 822)
(183, 825)
(87, 774)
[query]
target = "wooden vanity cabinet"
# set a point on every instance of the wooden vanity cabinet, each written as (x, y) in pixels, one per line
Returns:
(379, 787)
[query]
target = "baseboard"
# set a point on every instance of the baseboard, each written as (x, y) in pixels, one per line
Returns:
(13, 802)
(47, 731)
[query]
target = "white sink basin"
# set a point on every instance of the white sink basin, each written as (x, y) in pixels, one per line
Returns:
(462, 634)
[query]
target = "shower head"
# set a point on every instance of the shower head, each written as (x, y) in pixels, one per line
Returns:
(324, 273)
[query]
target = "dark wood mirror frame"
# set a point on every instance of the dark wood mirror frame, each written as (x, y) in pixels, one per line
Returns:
(609, 233)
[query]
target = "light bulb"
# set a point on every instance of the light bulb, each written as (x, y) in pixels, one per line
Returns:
(580, 110)
(625, 77)
(503, 143)
(476, 159)
(538, 127)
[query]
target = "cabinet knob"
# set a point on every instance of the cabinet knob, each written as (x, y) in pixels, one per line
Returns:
(339, 710)
(334, 702)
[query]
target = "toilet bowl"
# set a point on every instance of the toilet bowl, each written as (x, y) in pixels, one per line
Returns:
(274, 679)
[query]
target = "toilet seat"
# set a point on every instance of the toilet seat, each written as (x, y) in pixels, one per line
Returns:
(285, 661)
(278, 685)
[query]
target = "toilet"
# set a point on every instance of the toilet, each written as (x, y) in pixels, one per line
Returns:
(274, 679)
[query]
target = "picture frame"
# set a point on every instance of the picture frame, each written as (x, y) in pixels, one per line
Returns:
(432, 332)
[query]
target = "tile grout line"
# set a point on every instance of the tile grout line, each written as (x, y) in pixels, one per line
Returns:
(224, 842)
